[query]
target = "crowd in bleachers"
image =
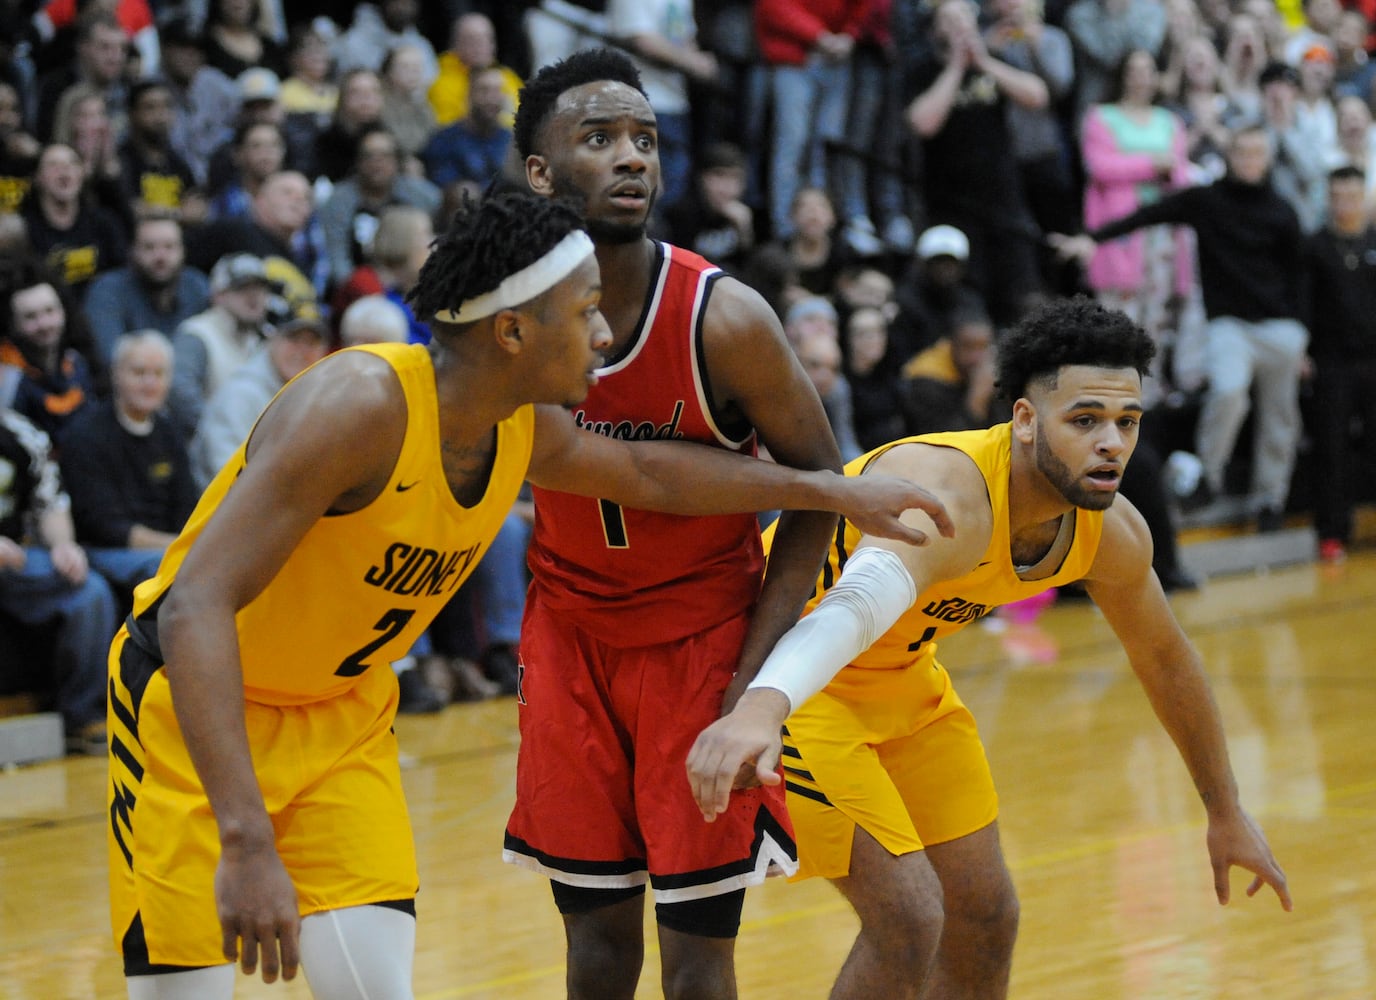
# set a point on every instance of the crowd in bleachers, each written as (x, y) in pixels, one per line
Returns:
(200, 198)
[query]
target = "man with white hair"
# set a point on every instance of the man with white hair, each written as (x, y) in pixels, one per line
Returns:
(373, 319)
(126, 467)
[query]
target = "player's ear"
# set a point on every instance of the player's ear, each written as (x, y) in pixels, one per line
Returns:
(506, 330)
(538, 175)
(1024, 421)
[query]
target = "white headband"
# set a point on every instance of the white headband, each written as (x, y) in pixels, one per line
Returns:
(526, 283)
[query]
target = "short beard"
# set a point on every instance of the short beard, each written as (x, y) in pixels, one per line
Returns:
(154, 285)
(1063, 481)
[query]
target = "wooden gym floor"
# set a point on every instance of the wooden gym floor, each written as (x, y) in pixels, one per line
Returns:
(1101, 826)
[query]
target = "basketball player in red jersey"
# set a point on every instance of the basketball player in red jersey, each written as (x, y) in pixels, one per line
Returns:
(637, 623)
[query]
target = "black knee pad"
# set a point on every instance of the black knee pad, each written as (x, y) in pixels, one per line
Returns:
(579, 899)
(712, 916)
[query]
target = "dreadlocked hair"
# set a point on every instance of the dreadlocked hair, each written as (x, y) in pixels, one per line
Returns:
(487, 242)
(542, 91)
(1076, 331)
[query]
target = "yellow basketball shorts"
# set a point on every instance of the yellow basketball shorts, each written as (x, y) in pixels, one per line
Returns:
(894, 752)
(331, 781)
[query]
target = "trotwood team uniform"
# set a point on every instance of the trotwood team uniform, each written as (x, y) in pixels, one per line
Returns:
(888, 745)
(633, 630)
(316, 647)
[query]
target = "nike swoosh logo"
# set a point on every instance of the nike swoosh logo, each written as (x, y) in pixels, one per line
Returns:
(402, 488)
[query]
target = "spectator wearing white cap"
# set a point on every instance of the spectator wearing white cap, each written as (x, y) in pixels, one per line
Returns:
(943, 241)
(259, 95)
(933, 290)
(258, 83)
(212, 344)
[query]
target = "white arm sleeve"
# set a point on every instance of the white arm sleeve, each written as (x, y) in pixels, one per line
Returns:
(874, 590)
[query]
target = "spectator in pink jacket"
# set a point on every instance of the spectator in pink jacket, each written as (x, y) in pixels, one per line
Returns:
(1134, 152)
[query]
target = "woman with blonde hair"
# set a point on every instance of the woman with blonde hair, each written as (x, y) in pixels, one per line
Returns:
(82, 121)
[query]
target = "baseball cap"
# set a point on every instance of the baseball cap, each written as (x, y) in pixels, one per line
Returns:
(258, 84)
(1318, 52)
(304, 315)
(943, 241)
(236, 270)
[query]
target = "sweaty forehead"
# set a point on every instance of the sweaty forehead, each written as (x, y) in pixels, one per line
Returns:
(602, 99)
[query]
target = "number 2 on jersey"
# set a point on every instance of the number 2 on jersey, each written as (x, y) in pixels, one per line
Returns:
(390, 625)
(613, 525)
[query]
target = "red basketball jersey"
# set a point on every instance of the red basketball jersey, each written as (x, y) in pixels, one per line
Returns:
(632, 577)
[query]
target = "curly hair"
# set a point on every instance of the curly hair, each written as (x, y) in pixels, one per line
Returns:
(1075, 331)
(542, 91)
(486, 242)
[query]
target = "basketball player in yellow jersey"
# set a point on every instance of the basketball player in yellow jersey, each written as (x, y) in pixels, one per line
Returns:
(888, 786)
(255, 800)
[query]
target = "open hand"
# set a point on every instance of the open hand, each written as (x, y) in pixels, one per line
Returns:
(876, 501)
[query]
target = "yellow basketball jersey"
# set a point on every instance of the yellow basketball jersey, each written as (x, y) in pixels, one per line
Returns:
(361, 587)
(952, 604)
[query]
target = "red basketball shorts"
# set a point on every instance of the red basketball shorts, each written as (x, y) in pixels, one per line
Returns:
(602, 797)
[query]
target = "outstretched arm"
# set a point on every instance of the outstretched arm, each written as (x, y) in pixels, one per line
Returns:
(680, 477)
(1169, 669)
(304, 460)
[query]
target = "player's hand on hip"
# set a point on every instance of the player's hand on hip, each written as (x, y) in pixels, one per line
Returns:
(747, 738)
(257, 905)
(1236, 839)
(876, 503)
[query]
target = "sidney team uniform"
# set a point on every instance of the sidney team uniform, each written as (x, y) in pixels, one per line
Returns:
(633, 630)
(888, 745)
(316, 647)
